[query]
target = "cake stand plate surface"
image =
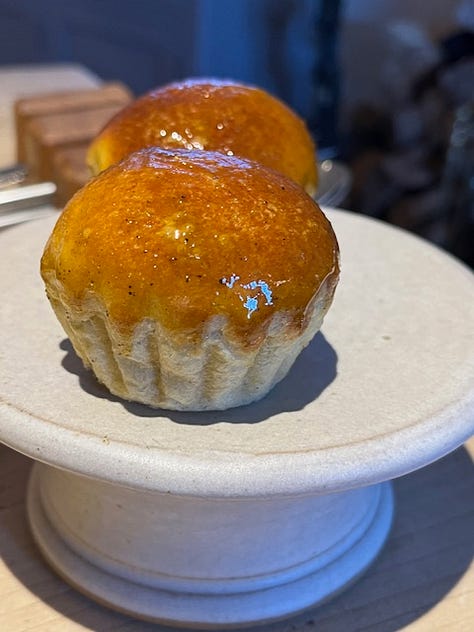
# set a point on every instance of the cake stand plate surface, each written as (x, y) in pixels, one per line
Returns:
(224, 519)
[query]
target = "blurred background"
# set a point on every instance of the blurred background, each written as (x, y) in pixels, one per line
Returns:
(386, 86)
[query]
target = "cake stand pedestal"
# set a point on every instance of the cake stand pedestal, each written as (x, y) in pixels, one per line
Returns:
(227, 519)
(204, 562)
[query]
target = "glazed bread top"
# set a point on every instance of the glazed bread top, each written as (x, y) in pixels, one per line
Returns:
(184, 236)
(214, 115)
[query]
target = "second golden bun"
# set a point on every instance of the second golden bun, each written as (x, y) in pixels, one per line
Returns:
(190, 280)
(216, 115)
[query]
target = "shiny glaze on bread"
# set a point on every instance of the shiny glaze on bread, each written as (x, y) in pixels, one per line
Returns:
(214, 115)
(185, 236)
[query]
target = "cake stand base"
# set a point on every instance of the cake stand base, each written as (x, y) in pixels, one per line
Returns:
(204, 562)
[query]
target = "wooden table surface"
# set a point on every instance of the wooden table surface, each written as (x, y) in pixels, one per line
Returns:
(422, 581)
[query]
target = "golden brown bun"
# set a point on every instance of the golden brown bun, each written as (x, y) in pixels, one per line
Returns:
(190, 279)
(214, 115)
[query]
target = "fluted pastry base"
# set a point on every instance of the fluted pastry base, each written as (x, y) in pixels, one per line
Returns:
(163, 369)
(200, 562)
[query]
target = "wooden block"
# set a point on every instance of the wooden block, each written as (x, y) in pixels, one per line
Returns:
(46, 135)
(69, 172)
(113, 95)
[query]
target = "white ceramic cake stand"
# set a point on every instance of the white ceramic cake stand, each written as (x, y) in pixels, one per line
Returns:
(226, 519)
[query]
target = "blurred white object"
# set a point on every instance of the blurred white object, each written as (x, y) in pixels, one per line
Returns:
(335, 182)
(20, 204)
(26, 215)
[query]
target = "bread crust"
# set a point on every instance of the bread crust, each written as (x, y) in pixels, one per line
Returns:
(211, 114)
(190, 279)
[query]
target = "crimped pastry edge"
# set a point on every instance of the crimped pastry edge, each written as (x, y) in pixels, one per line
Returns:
(163, 369)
